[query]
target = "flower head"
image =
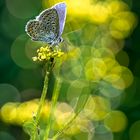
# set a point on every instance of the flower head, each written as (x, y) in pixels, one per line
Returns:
(46, 53)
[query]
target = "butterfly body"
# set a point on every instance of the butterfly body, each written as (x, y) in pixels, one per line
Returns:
(49, 25)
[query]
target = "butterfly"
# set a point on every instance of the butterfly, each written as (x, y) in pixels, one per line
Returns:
(49, 25)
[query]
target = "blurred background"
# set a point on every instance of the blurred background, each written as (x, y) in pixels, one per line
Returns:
(101, 64)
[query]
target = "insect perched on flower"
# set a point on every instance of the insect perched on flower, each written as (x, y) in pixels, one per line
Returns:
(48, 26)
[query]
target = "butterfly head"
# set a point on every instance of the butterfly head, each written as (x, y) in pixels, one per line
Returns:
(56, 42)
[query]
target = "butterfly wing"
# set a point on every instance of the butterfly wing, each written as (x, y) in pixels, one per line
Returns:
(45, 27)
(32, 28)
(61, 10)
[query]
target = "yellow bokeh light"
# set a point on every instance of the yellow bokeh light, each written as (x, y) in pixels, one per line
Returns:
(89, 107)
(115, 80)
(63, 113)
(100, 108)
(120, 28)
(119, 76)
(113, 75)
(110, 43)
(122, 24)
(127, 76)
(80, 124)
(45, 110)
(117, 6)
(99, 13)
(111, 65)
(74, 53)
(116, 121)
(9, 112)
(26, 111)
(134, 132)
(95, 69)
(75, 89)
(102, 53)
(20, 113)
(77, 7)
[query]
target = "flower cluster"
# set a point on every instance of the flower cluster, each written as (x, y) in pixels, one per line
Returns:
(46, 53)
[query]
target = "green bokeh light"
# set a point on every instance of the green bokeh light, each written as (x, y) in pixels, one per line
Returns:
(23, 9)
(6, 136)
(8, 93)
(18, 53)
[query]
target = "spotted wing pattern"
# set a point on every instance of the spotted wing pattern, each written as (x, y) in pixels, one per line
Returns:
(45, 27)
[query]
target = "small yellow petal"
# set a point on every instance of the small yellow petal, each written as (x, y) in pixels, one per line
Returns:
(35, 58)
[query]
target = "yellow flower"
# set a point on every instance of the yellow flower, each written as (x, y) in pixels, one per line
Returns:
(46, 53)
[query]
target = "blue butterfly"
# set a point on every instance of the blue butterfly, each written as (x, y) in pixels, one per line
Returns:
(49, 25)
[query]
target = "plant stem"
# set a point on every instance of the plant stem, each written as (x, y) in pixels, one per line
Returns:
(53, 105)
(41, 103)
(67, 125)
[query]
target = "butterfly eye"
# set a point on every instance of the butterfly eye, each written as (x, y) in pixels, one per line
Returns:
(61, 39)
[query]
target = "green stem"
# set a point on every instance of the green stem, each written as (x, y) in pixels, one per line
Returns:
(67, 125)
(53, 105)
(42, 101)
